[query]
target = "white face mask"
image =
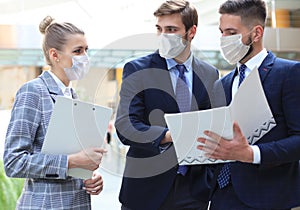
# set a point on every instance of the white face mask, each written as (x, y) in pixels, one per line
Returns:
(170, 45)
(233, 49)
(79, 69)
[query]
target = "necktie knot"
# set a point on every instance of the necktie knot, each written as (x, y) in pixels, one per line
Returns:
(181, 69)
(242, 68)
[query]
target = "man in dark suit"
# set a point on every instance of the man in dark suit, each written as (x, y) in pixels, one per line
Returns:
(266, 175)
(152, 86)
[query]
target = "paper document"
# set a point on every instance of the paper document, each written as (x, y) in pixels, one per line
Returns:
(74, 126)
(249, 109)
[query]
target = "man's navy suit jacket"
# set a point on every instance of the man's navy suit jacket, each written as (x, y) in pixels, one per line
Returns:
(146, 95)
(275, 183)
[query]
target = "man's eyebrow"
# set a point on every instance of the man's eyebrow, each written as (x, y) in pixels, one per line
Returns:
(167, 27)
(170, 26)
(228, 29)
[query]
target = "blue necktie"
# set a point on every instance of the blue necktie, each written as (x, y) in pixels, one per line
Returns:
(224, 175)
(182, 91)
(183, 101)
(242, 73)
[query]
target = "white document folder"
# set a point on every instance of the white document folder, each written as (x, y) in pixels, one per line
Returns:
(249, 109)
(74, 126)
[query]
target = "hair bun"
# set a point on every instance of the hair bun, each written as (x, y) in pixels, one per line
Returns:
(45, 23)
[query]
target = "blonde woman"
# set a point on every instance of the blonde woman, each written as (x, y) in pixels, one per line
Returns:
(47, 184)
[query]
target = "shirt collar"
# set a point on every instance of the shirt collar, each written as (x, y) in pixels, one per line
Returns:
(59, 83)
(256, 61)
(171, 63)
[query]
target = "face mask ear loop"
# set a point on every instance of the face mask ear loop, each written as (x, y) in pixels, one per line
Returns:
(248, 39)
(250, 42)
(186, 40)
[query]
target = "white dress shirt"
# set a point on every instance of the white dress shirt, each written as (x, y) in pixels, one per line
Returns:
(256, 61)
(66, 90)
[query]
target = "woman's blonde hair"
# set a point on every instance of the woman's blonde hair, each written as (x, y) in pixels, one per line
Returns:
(56, 35)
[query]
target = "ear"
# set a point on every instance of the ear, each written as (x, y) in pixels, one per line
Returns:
(192, 32)
(259, 31)
(53, 55)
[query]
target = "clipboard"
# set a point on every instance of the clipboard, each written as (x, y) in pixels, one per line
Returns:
(76, 125)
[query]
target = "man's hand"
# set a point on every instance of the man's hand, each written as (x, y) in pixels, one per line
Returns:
(237, 148)
(167, 138)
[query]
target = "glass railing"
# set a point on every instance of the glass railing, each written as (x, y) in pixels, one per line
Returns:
(114, 58)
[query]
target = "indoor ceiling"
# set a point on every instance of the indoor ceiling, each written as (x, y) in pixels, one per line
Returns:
(30, 11)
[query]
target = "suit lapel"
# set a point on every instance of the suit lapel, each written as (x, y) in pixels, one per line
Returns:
(197, 75)
(53, 89)
(227, 85)
(164, 78)
(266, 66)
(264, 70)
(74, 94)
(222, 92)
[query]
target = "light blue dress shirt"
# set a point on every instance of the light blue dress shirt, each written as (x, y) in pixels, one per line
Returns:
(174, 74)
(171, 64)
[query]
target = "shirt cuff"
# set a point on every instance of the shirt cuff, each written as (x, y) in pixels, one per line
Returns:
(256, 154)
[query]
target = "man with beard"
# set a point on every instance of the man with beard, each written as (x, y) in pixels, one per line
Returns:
(266, 175)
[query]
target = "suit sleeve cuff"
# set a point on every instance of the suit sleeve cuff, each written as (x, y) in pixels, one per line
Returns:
(59, 167)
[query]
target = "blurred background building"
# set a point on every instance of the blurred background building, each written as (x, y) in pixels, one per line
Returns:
(118, 30)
